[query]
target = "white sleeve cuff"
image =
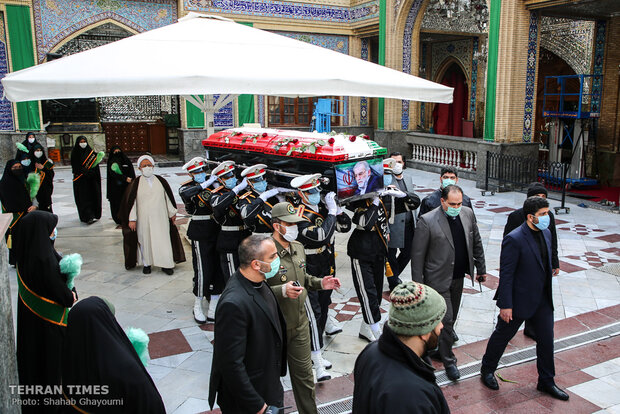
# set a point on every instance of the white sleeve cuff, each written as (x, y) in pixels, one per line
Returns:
(284, 290)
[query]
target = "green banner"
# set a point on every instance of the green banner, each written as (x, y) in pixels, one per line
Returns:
(22, 56)
(245, 103)
(489, 112)
(195, 117)
(382, 23)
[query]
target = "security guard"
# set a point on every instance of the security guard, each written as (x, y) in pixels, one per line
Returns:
(256, 203)
(202, 230)
(367, 248)
(224, 201)
(317, 234)
(290, 286)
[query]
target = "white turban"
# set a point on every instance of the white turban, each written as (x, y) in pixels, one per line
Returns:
(145, 157)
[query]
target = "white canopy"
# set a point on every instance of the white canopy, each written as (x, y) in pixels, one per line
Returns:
(211, 55)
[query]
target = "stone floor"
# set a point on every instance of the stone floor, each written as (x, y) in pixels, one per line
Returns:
(586, 297)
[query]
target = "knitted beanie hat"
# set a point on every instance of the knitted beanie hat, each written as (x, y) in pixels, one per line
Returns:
(535, 189)
(415, 310)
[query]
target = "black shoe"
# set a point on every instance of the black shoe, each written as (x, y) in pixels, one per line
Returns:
(146, 270)
(91, 221)
(455, 337)
(553, 391)
(453, 372)
(489, 380)
(167, 271)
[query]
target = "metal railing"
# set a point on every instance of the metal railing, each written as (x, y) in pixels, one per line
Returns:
(512, 173)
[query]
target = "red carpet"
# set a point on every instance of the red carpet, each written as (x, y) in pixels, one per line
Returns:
(597, 194)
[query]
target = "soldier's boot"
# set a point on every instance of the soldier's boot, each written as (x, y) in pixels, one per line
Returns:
(319, 366)
(199, 315)
(366, 332)
(212, 306)
(331, 327)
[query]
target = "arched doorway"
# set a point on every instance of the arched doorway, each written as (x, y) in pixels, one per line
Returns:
(136, 123)
(448, 118)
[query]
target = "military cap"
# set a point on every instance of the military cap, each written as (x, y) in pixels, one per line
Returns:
(224, 168)
(388, 164)
(306, 182)
(196, 164)
(254, 172)
(286, 212)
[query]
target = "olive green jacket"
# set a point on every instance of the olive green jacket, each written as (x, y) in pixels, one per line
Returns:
(293, 267)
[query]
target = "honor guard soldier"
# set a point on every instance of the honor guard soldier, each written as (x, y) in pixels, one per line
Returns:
(316, 234)
(290, 285)
(203, 231)
(367, 248)
(256, 203)
(401, 221)
(224, 201)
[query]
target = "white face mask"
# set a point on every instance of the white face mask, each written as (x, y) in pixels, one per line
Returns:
(398, 169)
(83, 144)
(31, 140)
(147, 171)
(291, 233)
(38, 154)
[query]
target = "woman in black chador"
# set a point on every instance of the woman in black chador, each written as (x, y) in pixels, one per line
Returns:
(45, 168)
(42, 307)
(86, 181)
(15, 199)
(98, 352)
(23, 153)
(120, 174)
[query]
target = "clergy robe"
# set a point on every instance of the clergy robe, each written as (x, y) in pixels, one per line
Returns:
(156, 241)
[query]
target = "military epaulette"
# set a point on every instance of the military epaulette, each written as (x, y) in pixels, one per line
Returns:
(245, 195)
(215, 190)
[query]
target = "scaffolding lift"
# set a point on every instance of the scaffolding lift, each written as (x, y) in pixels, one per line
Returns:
(573, 104)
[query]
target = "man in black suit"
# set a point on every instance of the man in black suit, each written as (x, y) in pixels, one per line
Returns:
(249, 355)
(524, 292)
(516, 218)
(448, 176)
(367, 180)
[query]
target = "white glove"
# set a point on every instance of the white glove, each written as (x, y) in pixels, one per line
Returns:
(376, 200)
(266, 195)
(393, 192)
(241, 186)
(330, 202)
(339, 211)
(208, 182)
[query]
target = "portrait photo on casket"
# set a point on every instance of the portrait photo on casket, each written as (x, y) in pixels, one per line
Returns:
(359, 179)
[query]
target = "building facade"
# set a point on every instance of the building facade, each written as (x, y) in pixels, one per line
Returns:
(497, 54)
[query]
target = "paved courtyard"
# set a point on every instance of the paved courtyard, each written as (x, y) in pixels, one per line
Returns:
(586, 297)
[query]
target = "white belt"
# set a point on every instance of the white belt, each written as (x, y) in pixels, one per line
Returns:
(262, 233)
(233, 228)
(198, 218)
(315, 251)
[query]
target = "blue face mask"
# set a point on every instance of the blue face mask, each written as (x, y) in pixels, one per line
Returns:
(260, 186)
(275, 267)
(453, 212)
(54, 234)
(230, 183)
(387, 179)
(314, 199)
(25, 162)
(446, 182)
(543, 222)
(200, 177)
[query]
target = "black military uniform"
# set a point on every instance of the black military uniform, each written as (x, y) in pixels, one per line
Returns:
(316, 234)
(256, 213)
(367, 248)
(203, 231)
(228, 215)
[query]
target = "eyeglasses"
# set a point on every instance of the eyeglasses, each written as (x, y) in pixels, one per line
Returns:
(227, 176)
(314, 190)
(258, 179)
